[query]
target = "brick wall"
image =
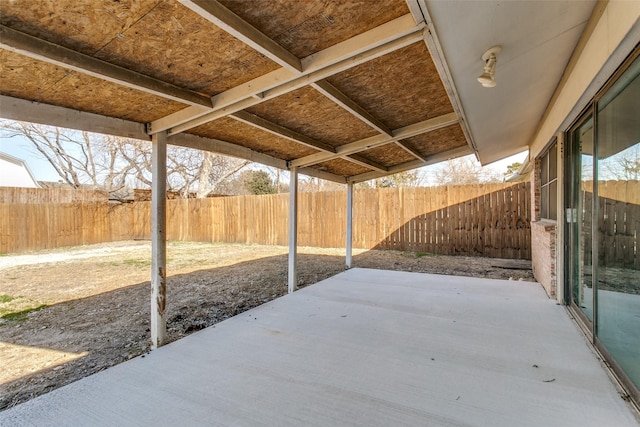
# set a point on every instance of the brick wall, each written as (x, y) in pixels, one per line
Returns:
(543, 239)
(543, 254)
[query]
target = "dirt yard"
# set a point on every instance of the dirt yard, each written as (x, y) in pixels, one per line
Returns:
(68, 313)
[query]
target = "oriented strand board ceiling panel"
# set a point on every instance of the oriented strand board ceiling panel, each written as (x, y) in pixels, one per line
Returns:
(233, 131)
(438, 141)
(341, 167)
(310, 113)
(388, 155)
(82, 25)
(304, 27)
(176, 45)
(399, 89)
(30, 79)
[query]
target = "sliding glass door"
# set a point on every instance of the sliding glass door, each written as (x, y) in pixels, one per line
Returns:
(580, 215)
(603, 221)
(618, 221)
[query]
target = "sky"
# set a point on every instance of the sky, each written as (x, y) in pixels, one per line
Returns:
(43, 171)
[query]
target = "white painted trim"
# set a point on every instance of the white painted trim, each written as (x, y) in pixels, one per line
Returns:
(293, 229)
(159, 240)
(42, 50)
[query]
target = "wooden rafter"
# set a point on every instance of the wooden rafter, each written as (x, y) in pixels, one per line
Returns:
(367, 163)
(334, 94)
(63, 57)
(378, 140)
(283, 132)
(364, 47)
(432, 159)
(222, 17)
(410, 150)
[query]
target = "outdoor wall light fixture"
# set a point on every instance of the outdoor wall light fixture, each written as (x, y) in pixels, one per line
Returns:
(490, 60)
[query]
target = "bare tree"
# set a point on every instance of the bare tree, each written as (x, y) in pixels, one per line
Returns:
(624, 165)
(113, 163)
(464, 170)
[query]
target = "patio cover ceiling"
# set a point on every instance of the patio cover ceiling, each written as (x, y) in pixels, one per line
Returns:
(343, 90)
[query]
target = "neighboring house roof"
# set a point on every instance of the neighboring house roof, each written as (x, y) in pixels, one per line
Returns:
(15, 172)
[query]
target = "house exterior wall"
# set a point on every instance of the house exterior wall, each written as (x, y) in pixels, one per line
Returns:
(543, 239)
(610, 35)
(15, 174)
(543, 260)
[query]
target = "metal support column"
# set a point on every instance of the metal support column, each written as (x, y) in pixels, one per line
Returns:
(349, 241)
(293, 228)
(158, 240)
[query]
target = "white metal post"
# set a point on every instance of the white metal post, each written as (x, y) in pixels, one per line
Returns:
(293, 228)
(158, 240)
(349, 223)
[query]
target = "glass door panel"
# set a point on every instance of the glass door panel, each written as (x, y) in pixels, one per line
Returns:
(580, 232)
(618, 226)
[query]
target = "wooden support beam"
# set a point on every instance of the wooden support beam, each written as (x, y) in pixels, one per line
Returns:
(430, 160)
(46, 114)
(63, 57)
(334, 94)
(281, 131)
(349, 233)
(378, 140)
(410, 150)
(367, 163)
(222, 17)
(293, 229)
(364, 47)
(159, 240)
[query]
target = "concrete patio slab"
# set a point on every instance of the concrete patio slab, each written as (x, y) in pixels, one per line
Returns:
(363, 348)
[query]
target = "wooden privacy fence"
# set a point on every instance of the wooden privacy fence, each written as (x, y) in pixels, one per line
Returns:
(50, 195)
(618, 219)
(481, 220)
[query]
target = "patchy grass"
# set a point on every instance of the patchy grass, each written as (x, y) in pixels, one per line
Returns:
(6, 298)
(424, 254)
(17, 308)
(138, 262)
(19, 316)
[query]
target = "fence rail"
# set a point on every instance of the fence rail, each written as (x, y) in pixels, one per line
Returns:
(50, 195)
(480, 220)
